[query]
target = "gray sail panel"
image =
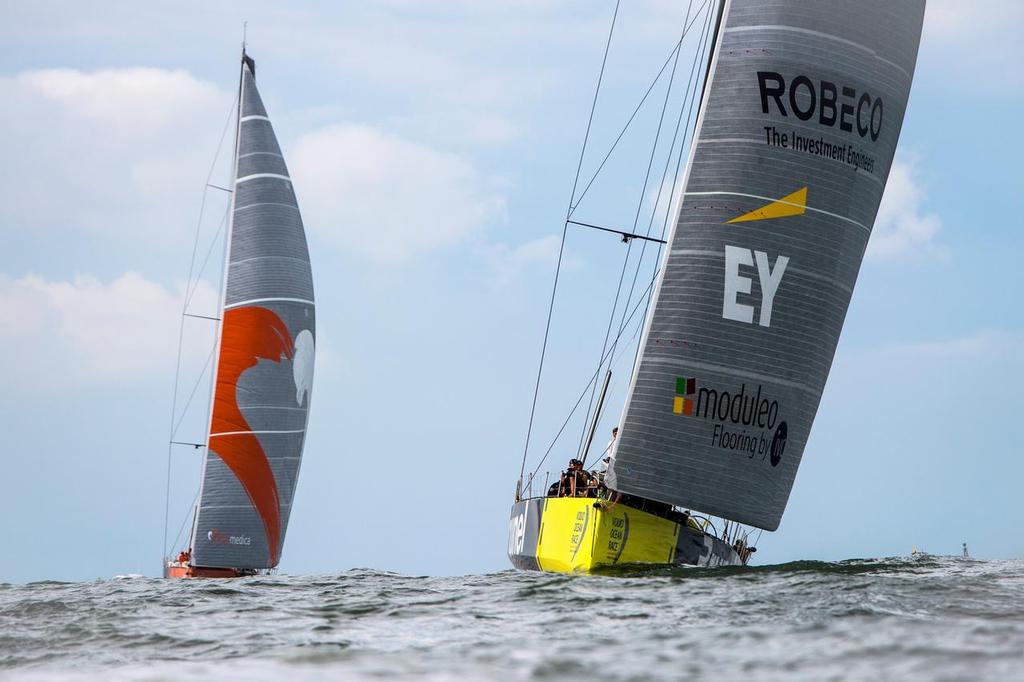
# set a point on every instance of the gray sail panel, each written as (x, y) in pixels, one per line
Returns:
(265, 365)
(794, 144)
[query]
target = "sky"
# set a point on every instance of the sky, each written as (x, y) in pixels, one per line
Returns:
(434, 147)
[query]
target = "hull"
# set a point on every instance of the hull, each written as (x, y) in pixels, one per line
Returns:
(176, 570)
(569, 535)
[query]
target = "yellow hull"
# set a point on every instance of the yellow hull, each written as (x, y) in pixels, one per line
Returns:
(571, 535)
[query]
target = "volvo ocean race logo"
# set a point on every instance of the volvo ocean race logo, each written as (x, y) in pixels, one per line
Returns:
(218, 538)
(746, 421)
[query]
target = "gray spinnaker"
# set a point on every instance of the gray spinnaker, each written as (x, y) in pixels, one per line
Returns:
(793, 147)
(265, 358)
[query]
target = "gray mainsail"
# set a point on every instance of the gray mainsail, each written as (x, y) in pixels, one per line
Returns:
(265, 358)
(796, 135)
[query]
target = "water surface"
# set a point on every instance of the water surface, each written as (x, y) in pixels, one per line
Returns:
(898, 619)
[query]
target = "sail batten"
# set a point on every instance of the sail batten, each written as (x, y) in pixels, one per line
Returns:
(265, 362)
(798, 126)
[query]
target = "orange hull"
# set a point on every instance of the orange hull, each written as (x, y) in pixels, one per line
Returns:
(176, 570)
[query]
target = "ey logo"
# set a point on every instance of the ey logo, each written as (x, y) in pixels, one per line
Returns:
(684, 387)
(769, 276)
(736, 284)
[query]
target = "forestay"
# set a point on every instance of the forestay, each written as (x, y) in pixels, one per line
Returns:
(796, 136)
(265, 359)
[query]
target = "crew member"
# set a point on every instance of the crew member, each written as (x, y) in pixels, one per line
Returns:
(607, 455)
(574, 480)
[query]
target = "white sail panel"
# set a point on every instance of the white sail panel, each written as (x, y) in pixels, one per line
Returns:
(265, 363)
(795, 139)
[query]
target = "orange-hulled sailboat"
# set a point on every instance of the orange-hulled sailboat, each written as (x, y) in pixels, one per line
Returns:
(264, 364)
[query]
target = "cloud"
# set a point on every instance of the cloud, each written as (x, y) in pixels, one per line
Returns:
(902, 227)
(990, 356)
(87, 332)
(975, 42)
(115, 152)
(990, 345)
(385, 198)
(537, 256)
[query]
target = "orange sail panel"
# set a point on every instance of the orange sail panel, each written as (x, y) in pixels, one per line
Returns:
(249, 334)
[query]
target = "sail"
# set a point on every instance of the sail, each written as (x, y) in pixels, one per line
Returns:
(796, 135)
(265, 359)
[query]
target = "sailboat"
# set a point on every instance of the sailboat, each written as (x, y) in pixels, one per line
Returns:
(798, 121)
(264, 363)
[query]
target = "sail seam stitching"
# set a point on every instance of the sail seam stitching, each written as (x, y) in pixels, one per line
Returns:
(807, 31)
(246, 260)
(238, 433)
(280, 156)
(787, 203)
(257, 176)
(711, 367)
(266, 203)
(266, 300)
(238, 506)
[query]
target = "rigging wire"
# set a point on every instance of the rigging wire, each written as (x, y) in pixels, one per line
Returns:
(636, 219)
(188, 301)
(688, 132)
(615, 361)
(561, 249)
(188, 403)
(206, 259)
(583, 394)
(574, 204)
(181, 325)
(700, 49)
(184, 521)
(687, 106)
(636, 332)
(604, 345)
(633, 115)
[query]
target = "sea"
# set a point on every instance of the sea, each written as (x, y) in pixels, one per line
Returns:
(931, 618)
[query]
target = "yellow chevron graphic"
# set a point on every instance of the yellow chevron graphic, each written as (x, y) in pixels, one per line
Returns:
(790, 205)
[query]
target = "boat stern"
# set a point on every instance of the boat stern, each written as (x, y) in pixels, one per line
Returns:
(524, 533)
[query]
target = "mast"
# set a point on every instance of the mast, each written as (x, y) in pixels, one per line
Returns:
(585, 452)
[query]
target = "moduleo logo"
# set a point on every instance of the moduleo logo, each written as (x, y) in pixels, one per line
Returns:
(747, 420)
(684, 387)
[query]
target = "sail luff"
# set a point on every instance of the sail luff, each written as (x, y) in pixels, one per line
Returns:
(715, 40)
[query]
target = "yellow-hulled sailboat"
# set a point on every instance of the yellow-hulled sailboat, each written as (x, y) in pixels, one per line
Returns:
(798, 119)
